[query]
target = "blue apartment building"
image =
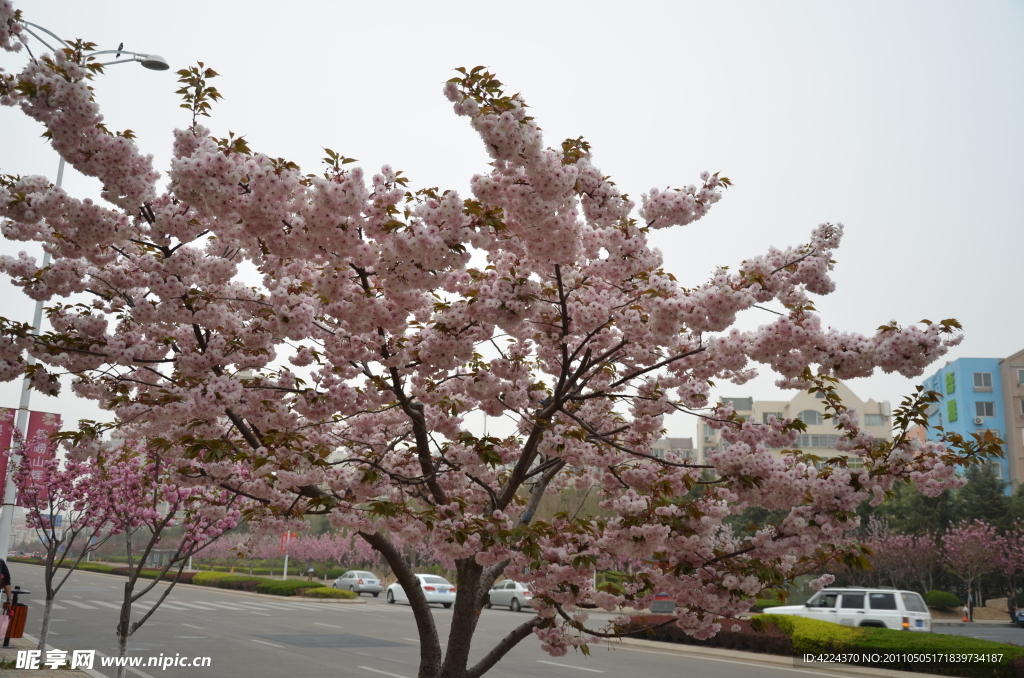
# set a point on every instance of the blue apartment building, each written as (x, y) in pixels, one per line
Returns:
(972, 402)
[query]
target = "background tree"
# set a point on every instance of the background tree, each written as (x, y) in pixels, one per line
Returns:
(968, 551)
(55, 496)
(539, 300)
(142, 495)
(983, 497)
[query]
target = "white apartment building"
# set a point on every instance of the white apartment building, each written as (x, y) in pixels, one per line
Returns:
(821, 435)
(682, 447)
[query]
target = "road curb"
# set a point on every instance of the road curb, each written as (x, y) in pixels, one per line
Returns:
(741, 657)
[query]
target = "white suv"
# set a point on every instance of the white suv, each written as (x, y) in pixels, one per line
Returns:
(854, 606)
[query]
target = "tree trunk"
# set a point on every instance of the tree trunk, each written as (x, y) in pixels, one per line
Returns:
(124, 627)
(45, 631)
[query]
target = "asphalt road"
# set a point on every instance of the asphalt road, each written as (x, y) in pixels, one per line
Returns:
(271, 637)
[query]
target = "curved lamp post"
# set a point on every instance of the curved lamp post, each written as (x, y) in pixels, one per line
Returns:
(153, 62)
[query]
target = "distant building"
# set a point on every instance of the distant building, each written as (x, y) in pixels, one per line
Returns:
(973, 402)
(821, 435)
(1011, 373)
(681, 447)
(984, 394)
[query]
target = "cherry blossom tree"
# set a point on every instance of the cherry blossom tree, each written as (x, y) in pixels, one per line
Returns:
(55, 497)
(142, 495)
(340, 382)
(1010, 554)
(967, 551)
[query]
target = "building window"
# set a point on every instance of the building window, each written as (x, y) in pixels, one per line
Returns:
(811, 417)
(874, 420)
(951, 411)
(1022, 408)
(708, 431)
(950, 383)
(983, 409)
(820, 395)
(805, 441)
(765, 415)
(1020, 376)
(982, 381)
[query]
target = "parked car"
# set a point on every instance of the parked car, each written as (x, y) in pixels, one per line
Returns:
(854, 606)
(514, 594)
(359, 581)
(435, 589)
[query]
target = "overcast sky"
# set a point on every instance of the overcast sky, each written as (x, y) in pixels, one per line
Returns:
(902, 120)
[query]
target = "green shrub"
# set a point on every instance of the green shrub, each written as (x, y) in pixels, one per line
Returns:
(291, 587)
(610, 587)
(222, 580)
(327, 592)
(96, 567)
(941, 600)
(814, 636)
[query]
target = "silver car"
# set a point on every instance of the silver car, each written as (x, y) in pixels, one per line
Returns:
(514, 594)
(359, 581)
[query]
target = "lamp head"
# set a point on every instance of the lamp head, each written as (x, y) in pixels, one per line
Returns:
(154, 62)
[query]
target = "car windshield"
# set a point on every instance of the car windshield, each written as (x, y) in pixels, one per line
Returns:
(429, 579)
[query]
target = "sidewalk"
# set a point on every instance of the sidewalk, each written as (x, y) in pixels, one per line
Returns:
(29, 643)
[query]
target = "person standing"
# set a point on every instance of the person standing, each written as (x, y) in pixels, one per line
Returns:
(5, 581)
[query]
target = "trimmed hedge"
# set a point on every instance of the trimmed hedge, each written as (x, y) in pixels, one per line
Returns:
(274, 587)
(789, 635)
(327, 592)
(941, 600)
(291, 587)
(813, 636)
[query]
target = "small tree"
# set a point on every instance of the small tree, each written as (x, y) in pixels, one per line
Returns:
(968, 553)
(141, 494)
(1010, 554)
(55, 495)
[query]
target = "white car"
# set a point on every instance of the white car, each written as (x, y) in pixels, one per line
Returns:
(435, 590)
(854, 606)
(514, 594)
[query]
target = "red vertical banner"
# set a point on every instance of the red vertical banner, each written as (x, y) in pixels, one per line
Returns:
(6, 438)
(34, 455)
(286, 538)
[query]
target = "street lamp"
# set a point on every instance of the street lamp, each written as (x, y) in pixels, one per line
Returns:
(153, 62)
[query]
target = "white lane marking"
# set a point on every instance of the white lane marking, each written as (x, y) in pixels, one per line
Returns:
(568, 666)
(333, 626)
(198, 606)
(110, 605)
(262, 614)
(226, 606)
(383, 673)
(42, 603)
(263, 642)
(81, 605)
(415, 640)
(193, 626)
(730, 661)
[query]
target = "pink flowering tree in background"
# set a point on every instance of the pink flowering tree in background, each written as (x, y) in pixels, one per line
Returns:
(340, 381)
(969, 552)
(1010, 554)
(896, 560)
(142, 495)
(55, 496)
(320, 550)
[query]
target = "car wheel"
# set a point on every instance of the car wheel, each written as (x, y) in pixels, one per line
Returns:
(391, 598)
(376, 594)
(488, 603)
(334, 586)
(446, 605)
(352, 589)
(514, 605)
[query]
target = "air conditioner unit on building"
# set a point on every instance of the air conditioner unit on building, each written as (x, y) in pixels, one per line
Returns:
(707, 439)
(978, 421)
